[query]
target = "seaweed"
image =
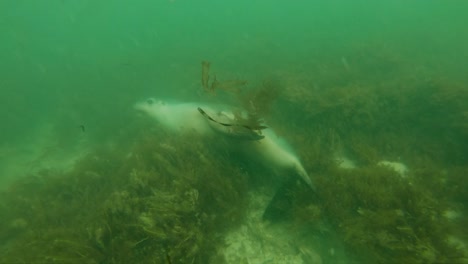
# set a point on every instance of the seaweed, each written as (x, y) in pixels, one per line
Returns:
(114, 207)
(205, 77)
(232, 86)
(162, 199)
(390, 114)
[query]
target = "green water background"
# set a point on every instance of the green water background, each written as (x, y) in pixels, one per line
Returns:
(92, 59)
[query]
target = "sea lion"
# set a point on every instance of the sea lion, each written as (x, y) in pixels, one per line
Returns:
(226, 123)
(269, 150)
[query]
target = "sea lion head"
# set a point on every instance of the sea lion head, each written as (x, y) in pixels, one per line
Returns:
(151, 106)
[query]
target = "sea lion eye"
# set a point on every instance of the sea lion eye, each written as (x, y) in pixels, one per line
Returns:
(150, 101)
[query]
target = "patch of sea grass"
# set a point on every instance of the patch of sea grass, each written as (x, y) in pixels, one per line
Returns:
(155, 198)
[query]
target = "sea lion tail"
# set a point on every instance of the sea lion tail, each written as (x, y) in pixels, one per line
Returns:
(302, 172)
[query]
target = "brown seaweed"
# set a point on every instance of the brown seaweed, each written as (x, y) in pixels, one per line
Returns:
(233, 86)
(113, 207)
(205, 77)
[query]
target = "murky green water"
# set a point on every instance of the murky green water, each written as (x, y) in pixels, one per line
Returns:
(370, 96)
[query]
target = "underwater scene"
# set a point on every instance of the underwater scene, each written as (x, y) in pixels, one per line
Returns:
(247, 132)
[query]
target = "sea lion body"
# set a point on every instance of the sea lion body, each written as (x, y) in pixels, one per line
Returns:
(176, 117)
(275, 153)
(271, 151)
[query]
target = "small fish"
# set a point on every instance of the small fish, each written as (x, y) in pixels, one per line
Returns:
(82, 128)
